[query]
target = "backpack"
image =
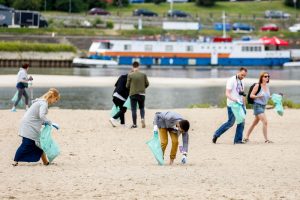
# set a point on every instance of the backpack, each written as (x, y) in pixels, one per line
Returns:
(249, 99)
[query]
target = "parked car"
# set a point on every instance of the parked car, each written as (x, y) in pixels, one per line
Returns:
(242, 27)
(276, 14)
(98, 11)
(177, 13)
(219, 26)
(269, 27)
(144, 12)
(295, 28)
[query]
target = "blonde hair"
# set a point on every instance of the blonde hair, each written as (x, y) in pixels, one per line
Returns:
(52, 93)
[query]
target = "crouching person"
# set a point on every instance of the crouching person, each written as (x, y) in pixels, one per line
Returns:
(30, 129)
(174, 124)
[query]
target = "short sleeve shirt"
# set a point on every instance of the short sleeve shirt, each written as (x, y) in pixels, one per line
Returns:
(235, 85)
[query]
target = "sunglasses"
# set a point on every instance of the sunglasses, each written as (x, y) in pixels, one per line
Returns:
(266, 76)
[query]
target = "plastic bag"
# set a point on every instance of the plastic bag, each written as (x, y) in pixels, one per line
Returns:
(114, 110)
(127, 103)
(238, 112)
(49, 146)
(155, 147)
(277, 99)
(15, 98)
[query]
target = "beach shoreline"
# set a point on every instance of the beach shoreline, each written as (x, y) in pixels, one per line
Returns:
(98, 161)
(104, 81)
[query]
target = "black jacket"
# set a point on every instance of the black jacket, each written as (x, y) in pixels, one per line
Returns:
(121, 86)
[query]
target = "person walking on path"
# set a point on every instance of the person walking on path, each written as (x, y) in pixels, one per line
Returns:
(137, 82)
(234, 93)
(120, 95)
(260, 101)
(30, 129)
(22, 84)
(173, 123)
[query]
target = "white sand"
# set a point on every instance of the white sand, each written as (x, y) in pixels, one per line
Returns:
(101, 162)
(79, 81)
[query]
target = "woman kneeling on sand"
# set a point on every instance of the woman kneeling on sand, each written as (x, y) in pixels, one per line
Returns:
(31, 124)
(261, 95)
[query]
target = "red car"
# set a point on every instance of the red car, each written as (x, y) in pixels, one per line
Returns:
(269, 27)
(98, 11)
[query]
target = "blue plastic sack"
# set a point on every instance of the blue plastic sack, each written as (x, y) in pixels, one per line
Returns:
(49, 146)
(15, 98)
(114, 110)
(277, 99)
(127, 103)
(155, 147)
(238, 112)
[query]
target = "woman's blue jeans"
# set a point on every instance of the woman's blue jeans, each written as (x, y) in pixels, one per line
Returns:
(239, 129)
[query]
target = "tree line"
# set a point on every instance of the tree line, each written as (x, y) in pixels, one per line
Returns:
(84, 5)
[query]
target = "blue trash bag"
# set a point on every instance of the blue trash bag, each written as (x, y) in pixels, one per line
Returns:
(238, 112)
(155, 147)
(277, 99)
(15, 98)
(49, 146)
(127, 103)
(114, 110)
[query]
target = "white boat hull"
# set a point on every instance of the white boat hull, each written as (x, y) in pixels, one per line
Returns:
(85, 62)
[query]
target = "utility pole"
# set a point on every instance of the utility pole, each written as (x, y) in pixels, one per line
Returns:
(224, 24)
(70, 6)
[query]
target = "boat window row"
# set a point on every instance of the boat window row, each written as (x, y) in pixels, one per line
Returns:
(251, 48)
(189, 48)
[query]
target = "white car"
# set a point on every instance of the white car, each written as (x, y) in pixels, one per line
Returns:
(295, 28)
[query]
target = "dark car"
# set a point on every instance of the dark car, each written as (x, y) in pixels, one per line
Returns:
(242, 27)
(98, 11)
(177, 13)
(144, 12)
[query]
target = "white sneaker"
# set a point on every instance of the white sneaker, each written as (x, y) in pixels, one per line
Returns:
(113, 122)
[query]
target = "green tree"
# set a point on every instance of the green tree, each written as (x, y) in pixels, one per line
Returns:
(121, 3)
(291, 3)
(27, 4)
(76, 5)
(98, 3)
(206, 3)
(157, 2)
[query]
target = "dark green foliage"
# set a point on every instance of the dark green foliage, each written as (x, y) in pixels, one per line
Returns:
(121, 3)
(158, 1)
(96, 4)
(291, 3)
(27, 4)
(207, 3)
(76, 5)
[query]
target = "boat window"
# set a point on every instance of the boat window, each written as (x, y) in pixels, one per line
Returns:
(189, 48)
(246, 48)
(148, 47)
(243, 49)
(251, 49)
(169, 48)
(127, 47)
(259, 48)
(105, 45)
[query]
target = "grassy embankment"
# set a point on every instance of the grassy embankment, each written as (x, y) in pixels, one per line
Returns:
(19, 46)
(236, 12)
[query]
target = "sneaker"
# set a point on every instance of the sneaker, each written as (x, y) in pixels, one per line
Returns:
(13, 109)
(143, 123)
(113, 122)
(133, 126)
(214, 140)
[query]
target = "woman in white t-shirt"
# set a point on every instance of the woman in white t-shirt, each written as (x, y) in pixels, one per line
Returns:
(22, 84)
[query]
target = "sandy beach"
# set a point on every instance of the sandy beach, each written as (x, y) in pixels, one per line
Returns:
(101, 162)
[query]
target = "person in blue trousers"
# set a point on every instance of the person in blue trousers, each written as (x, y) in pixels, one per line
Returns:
(234, 93)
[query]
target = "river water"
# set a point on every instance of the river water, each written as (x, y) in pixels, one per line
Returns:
(159, 98)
